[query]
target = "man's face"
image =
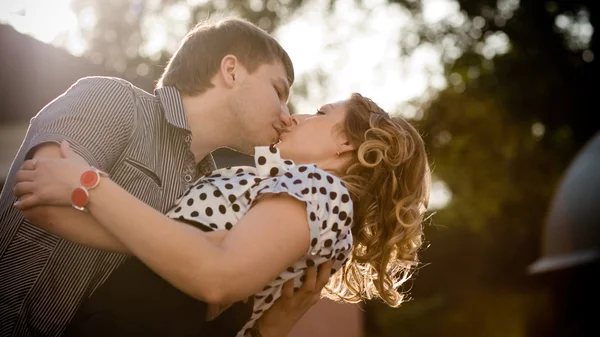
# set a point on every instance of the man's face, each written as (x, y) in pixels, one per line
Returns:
(260, 106)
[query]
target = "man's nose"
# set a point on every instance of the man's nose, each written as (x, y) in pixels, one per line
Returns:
(285, 117)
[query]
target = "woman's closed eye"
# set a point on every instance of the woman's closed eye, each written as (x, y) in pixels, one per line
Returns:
(320, 112)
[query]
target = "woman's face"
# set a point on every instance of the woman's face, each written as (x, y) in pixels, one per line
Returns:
(315, 138)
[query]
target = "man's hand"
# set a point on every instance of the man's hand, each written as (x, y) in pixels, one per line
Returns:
(279, 320)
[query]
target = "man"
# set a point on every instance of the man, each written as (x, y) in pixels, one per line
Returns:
(226, 86)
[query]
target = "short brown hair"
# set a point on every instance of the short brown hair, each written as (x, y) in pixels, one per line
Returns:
(199, 55)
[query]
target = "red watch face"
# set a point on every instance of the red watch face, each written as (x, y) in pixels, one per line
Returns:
(89, 179)
(79, 197)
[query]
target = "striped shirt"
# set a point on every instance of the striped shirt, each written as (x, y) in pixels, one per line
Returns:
(143, 141)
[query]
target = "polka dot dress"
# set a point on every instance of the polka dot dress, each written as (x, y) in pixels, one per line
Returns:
(219, 200)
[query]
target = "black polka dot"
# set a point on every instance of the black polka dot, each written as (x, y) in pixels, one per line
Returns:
(328, 243)
(313, 217)
(247, 195)
(177, 210)
(225, 179)
(256, 312)
(333, 271)
(240, 170)
(309, 176)
(332, 195)
(310, 263)
(288, 162)
(348, 222)
(330, 179)
(291, 269)
(324, 224)
(202, 196)
(343, 215)
(274, 171)
(243, 182)
(228, 225)
(302, 169)
(336, 210)
(213, 225)
(216, 175)
(272, 148)
(228, 186)
(262, 160)
(289, 175)
(314, 190)
(231, 198)
(327, 207)
(341, 257)
(345, 198)
(235, 207)
(194, 214)
(190, 202)
(313, 242)
(269, 298)
(297, 181)
(257, 180)
(284, 185)
(302, 278)
(222, 209)
(267, 287)
(209, 211)
(323, 190)
(335, 227)
(305, 191)
(317, 176)
(217, 193)
(199, 186)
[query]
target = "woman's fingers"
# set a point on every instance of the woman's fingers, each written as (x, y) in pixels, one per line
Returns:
(23, 188)
(27, 201)
(24, 175)
(29, 164)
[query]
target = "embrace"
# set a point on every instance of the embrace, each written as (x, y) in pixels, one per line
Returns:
(116, 222)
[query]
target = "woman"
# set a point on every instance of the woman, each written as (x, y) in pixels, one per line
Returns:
(356, 176)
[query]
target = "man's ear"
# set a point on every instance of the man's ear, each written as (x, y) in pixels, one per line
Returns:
(231, 70)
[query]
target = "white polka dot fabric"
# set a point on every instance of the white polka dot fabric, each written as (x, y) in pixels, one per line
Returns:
(219, 200)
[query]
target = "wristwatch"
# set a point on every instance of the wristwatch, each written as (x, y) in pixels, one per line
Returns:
(88, 180)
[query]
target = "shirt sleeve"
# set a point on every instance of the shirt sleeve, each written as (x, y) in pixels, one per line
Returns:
(328, 207)
(95, 115)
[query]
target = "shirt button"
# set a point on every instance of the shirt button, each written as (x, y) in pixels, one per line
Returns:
(187, 178)
(188, 138)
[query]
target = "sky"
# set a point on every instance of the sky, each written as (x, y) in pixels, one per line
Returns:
(359, 48)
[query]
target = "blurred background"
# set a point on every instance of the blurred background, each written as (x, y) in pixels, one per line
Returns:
(501, 89)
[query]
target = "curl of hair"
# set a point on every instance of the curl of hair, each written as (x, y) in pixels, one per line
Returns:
(389, 181)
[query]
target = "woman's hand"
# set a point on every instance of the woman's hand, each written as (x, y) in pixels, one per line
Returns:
(49, 181)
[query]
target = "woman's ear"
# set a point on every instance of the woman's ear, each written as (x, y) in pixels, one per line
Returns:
(345, 147)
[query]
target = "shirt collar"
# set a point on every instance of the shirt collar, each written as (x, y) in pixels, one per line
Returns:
(172, 104)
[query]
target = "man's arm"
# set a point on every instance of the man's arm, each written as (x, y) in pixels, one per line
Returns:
(279, 320)
(77, 226)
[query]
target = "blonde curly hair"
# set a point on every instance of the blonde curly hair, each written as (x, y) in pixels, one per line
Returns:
(389, 181)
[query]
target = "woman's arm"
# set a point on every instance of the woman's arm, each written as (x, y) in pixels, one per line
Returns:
(79, 227)
(269, 238)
